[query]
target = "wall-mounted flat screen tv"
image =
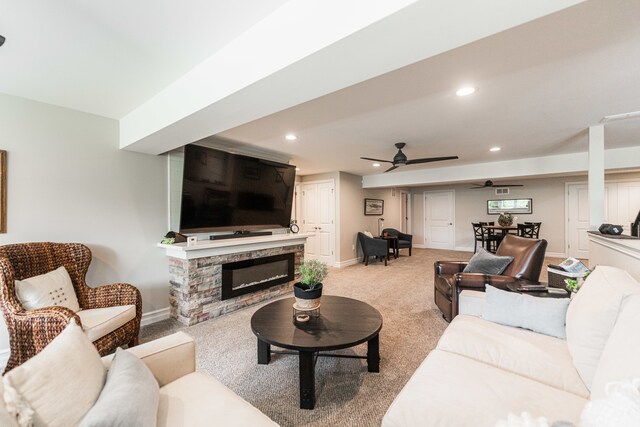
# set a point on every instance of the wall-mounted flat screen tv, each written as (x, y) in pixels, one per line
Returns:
(223, 191)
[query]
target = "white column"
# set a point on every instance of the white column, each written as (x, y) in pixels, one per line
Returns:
(596, 176)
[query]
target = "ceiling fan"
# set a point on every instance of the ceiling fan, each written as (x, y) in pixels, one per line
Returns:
(400, 159)
(489, 184)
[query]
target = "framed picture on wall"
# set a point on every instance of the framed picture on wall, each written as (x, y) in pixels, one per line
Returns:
(373, 206)
(514, 206)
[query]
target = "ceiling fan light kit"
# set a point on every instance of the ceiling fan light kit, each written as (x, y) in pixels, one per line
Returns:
(400, 159)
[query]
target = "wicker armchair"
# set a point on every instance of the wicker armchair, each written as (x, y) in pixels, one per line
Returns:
(31, 330)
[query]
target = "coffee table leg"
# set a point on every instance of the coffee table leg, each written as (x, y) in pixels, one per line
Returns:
(373, 354)
(307, 380)
(264, 353)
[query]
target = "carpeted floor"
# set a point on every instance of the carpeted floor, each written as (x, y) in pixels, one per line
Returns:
(346, 394)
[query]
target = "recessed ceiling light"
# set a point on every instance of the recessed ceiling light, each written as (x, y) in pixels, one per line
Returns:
(376, 165)
(494, 149)
(297, 169)
(290, 137)
(466, 90)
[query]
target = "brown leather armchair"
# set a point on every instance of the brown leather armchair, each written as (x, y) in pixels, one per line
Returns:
(528, 258)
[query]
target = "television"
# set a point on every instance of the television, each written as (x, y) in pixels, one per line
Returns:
(230, 192)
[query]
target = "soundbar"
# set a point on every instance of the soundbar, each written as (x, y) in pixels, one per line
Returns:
(239, 234)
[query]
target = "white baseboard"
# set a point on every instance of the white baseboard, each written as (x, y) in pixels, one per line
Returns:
(555, 254)
(419, 245)
(341, 264)
(463, 249)
(154, 316)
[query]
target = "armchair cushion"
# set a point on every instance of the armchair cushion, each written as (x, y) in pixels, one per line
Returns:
(59, 385)
(542, 315)
(50, 289)
(98, 322)
(487, 263)
(132, 389)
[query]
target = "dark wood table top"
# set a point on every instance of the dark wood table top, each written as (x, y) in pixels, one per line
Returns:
(554, 293)
(343, 323)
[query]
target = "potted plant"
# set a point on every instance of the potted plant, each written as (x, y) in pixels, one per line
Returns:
(309, 289)
(505, 219)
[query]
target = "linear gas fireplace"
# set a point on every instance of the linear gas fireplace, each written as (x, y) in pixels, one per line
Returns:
(243, 277)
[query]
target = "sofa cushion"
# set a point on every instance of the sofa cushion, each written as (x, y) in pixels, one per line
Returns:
(542, 315)
(69, 369)
(487, 263)
(619, 360)
(538, 357)
(6, 419)
(592, 314)
(129, 397)
(452, 390)
(98, 322)
(45, 290)
(197, 400)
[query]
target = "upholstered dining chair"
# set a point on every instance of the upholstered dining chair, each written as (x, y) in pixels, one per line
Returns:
(373, 247)
(405, 241)
(110, 315)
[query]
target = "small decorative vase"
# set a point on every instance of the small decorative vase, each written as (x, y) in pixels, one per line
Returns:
(505, 219)
(307, 300)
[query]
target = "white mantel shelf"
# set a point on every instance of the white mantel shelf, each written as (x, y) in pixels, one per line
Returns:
(206, 248)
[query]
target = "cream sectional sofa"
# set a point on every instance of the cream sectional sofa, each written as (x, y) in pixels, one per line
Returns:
(187, 397)
(481, 371)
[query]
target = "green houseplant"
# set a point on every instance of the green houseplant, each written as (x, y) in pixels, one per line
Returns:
(309, 289)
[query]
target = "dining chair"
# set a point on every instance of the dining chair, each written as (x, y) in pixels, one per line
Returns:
(536, 228)
(487, 239)
(526, 230)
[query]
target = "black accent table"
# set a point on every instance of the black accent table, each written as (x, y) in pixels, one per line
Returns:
(343, 323)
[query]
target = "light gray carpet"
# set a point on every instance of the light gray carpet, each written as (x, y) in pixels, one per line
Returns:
(346, 394)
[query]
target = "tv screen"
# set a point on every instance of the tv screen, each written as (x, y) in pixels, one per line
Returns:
(223, 191)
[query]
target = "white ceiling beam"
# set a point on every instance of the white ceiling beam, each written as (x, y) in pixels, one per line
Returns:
(307, 49)
(565, 164)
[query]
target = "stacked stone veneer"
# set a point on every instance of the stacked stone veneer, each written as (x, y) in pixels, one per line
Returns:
(195, 294)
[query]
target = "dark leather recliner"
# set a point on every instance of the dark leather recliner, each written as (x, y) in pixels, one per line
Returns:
(528, 259)
(405, 241)
(373, 247)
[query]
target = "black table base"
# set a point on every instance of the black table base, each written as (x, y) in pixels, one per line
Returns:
(307, 365)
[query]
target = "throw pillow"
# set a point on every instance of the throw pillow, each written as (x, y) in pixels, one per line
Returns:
(542, 315)
(57, 386)
(52, 288)
(367, 233)
(129, 398)
(621, 407)
(487, 263)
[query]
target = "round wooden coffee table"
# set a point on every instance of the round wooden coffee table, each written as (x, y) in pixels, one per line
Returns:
(343, 323)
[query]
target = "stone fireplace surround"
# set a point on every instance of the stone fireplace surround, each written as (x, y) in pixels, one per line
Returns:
(195, 274)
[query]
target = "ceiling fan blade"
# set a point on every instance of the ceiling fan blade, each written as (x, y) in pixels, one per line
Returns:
(478, 187)
(390, 169)
(508, 185)
(430, 159)
(376, 160)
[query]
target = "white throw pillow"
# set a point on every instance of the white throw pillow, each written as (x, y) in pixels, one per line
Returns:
(592, 314)
(542, 315)
(621, 407)
(58, 386)
(52, 288)
(367, 233)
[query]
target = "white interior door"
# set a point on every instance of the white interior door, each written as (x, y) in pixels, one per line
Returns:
(318, 213)
(578, 221)
(439, 212)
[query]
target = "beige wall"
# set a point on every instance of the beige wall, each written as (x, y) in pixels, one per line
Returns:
(548, 196)
(68, 181)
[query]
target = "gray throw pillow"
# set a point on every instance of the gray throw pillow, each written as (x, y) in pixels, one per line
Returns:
(129, 398)
(543, 315)
(487, 263)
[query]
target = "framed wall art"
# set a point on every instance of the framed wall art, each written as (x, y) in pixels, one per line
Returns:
(373, 206)
(513, 206)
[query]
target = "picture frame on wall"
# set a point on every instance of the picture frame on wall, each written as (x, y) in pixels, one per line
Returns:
(3, 191)
(373, 206)
(513, 206)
